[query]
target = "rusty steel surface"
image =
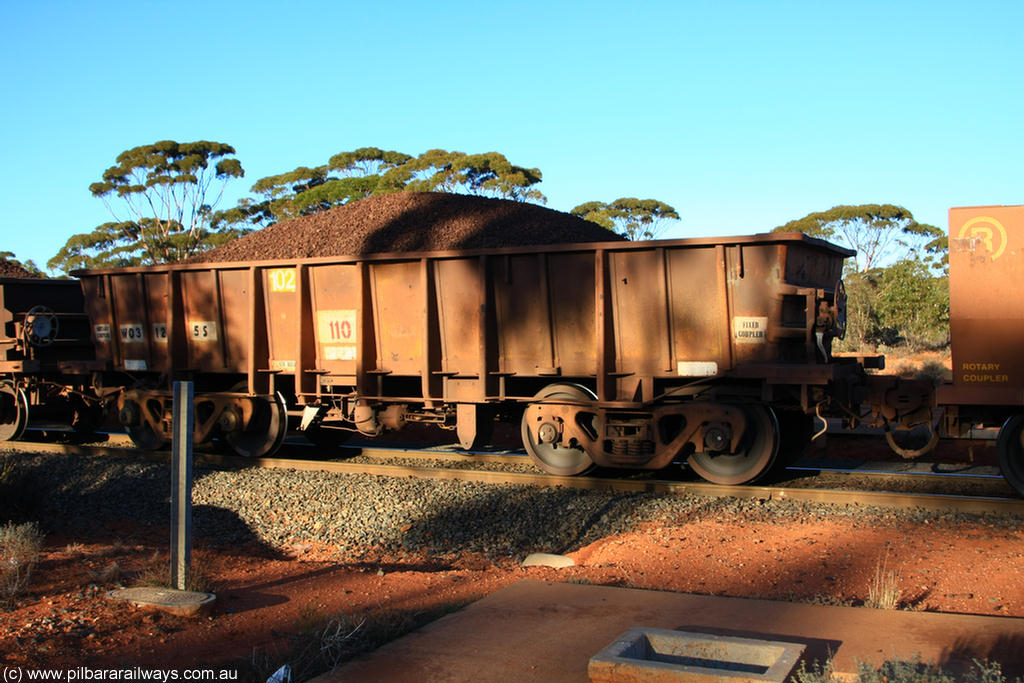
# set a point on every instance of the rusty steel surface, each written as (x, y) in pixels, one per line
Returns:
(986, 272)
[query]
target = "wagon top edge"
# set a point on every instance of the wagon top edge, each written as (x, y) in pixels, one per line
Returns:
(616, 246)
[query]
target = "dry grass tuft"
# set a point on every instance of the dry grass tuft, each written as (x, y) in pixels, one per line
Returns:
(19, 551)
(110, 574)
(912, 670)
(322, 642)
(75, 550)
(884, 590)
(157, 572)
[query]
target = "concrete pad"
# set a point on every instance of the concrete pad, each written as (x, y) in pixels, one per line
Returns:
(179, 603)
(547, 632)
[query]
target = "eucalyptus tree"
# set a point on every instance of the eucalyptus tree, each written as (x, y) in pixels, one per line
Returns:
(161, 197)
(367, 171)
(486, 174)
(897, 288)
(881, 233)
(636, 219)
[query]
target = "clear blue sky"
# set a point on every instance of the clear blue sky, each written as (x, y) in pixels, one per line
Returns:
(742, 115)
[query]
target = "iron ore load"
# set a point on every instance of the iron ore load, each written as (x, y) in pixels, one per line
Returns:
(605, 352)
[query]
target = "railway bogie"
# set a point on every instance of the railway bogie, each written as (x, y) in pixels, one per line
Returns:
(252, 426)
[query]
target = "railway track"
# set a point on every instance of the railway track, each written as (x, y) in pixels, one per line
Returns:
(804, 483)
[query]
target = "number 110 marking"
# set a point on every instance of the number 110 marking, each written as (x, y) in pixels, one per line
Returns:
(340, 329)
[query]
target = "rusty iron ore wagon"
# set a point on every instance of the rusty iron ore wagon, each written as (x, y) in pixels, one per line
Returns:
(617, 354)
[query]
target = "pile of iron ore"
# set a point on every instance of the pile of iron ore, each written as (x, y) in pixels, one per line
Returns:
(12, 269)
(411, 221)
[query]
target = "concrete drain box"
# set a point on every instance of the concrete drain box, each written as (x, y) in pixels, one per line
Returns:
(660, 656)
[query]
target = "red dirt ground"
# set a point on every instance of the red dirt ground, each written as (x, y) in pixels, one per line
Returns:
(263, 601)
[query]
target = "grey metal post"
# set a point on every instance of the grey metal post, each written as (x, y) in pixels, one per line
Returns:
(181, 484)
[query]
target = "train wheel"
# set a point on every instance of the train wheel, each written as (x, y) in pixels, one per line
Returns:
(13, 412)
(754, 458)
(1011, 452)
(145, 437)
(552, 458)
(143, 433)
(266, 431)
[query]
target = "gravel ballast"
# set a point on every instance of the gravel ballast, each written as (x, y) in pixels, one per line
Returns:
(364, 514)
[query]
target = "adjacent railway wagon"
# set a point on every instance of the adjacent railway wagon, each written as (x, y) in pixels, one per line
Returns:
(986, 276)
(46, 356)
(617, 354)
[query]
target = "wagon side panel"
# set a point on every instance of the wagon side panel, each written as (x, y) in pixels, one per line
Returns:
(640, 302)
(460, 305)
(571, 278)
(98, 308)
(400, 307)
(204, 327)
(335, 292)
(523, 313)
(699, 318)
(156, 286)
(282, 307)
(131, 323)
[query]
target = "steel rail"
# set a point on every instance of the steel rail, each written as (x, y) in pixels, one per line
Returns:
(453, 453)
(443, 454)
(860, 498)
(863, 469)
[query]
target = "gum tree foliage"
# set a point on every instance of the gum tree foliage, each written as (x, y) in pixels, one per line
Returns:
(161, 197)
(487, 174)
(896, 287)
(881, 233)
(350, 176)
(636, 219)
(904, 303)
(346, 177)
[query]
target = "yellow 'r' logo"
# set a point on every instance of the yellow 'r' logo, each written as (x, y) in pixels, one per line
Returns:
(986, 231)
